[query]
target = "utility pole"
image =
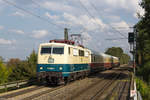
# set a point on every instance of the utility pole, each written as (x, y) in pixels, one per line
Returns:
(66, 34)
(132, 41)
(135, 47)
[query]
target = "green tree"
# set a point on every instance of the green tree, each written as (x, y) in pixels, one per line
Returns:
(23, 69)
(32, 62)
(1, 58)
(17, 69)
(143, 42)
(4, 73)
(114, 51)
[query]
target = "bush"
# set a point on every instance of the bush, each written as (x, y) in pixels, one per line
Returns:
(144, 72)
(143, 88)
(4, 73)
(23, 69)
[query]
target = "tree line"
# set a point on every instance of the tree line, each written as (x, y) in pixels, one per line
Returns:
(16, 69)
(143, 42)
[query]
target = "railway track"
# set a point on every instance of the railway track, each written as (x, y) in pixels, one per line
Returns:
(97, 87)
(120, 90)
(21, 92)
(41, 93)
(92, 92)
(32, 92)
(66, 92)
(106, 85)
(102, 90)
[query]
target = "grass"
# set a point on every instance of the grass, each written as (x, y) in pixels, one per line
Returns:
(143, 88)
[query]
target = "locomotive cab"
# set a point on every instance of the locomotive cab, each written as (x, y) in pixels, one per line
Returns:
(51, 59)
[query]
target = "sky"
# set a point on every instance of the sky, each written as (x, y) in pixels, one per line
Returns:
(24, 24)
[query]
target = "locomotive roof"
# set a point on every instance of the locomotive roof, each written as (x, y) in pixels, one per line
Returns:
(62, 44)
(53, 43)
(105, 55)
(102, 54)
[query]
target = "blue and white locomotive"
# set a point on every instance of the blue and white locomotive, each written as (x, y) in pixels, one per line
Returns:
(61, 61)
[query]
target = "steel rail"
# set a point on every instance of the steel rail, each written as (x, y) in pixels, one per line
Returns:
(107, 85)
(91, 86)
(118, 87)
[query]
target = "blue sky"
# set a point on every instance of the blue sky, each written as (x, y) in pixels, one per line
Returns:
(20, 32)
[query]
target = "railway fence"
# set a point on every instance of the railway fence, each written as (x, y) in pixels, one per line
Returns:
(16, 84)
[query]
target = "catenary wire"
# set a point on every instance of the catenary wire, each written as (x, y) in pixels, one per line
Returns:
(106, 22)
(95, 20)
(37, 16)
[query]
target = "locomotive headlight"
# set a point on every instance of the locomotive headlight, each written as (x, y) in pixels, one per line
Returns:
(41, 68)
(60, 68)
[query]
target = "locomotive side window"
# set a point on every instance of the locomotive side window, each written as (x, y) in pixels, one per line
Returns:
(81, 53)
(58, 50)
(46, 50)
(86, 53)
(75, 52)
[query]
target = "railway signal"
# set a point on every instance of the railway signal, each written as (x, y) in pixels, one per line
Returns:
(132, 41)
(131, 37)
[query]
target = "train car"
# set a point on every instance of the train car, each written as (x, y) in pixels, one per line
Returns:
(107, 61)
(61, 61)
(101, 61)
(97, 62)
(116, 62)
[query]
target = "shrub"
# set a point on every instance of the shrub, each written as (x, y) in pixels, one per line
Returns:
(143, 88)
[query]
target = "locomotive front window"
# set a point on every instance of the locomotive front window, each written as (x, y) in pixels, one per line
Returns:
(58, 50)
(46, 50)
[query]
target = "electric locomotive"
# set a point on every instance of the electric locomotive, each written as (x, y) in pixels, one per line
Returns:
(62, 61)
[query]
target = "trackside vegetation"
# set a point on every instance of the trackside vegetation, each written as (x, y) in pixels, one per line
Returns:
(143, 42)
(16, 69)
(143, 88)
(143, 50)
(4, 73)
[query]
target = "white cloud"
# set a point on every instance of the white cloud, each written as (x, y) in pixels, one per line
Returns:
(130, 6)
(84, 21)
(110, 33)
(71, 19)
(6, 42)
(86, 38)
(121, 24)
(118, 29)
(17, 31)
(1, 27)
(113, 18)
(118, 3)
(39, 33)
(51, 17)
(56, 6)
(18, 14)
(124, 4)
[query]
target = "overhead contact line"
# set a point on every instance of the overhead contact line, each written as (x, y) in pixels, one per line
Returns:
(31, 13)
